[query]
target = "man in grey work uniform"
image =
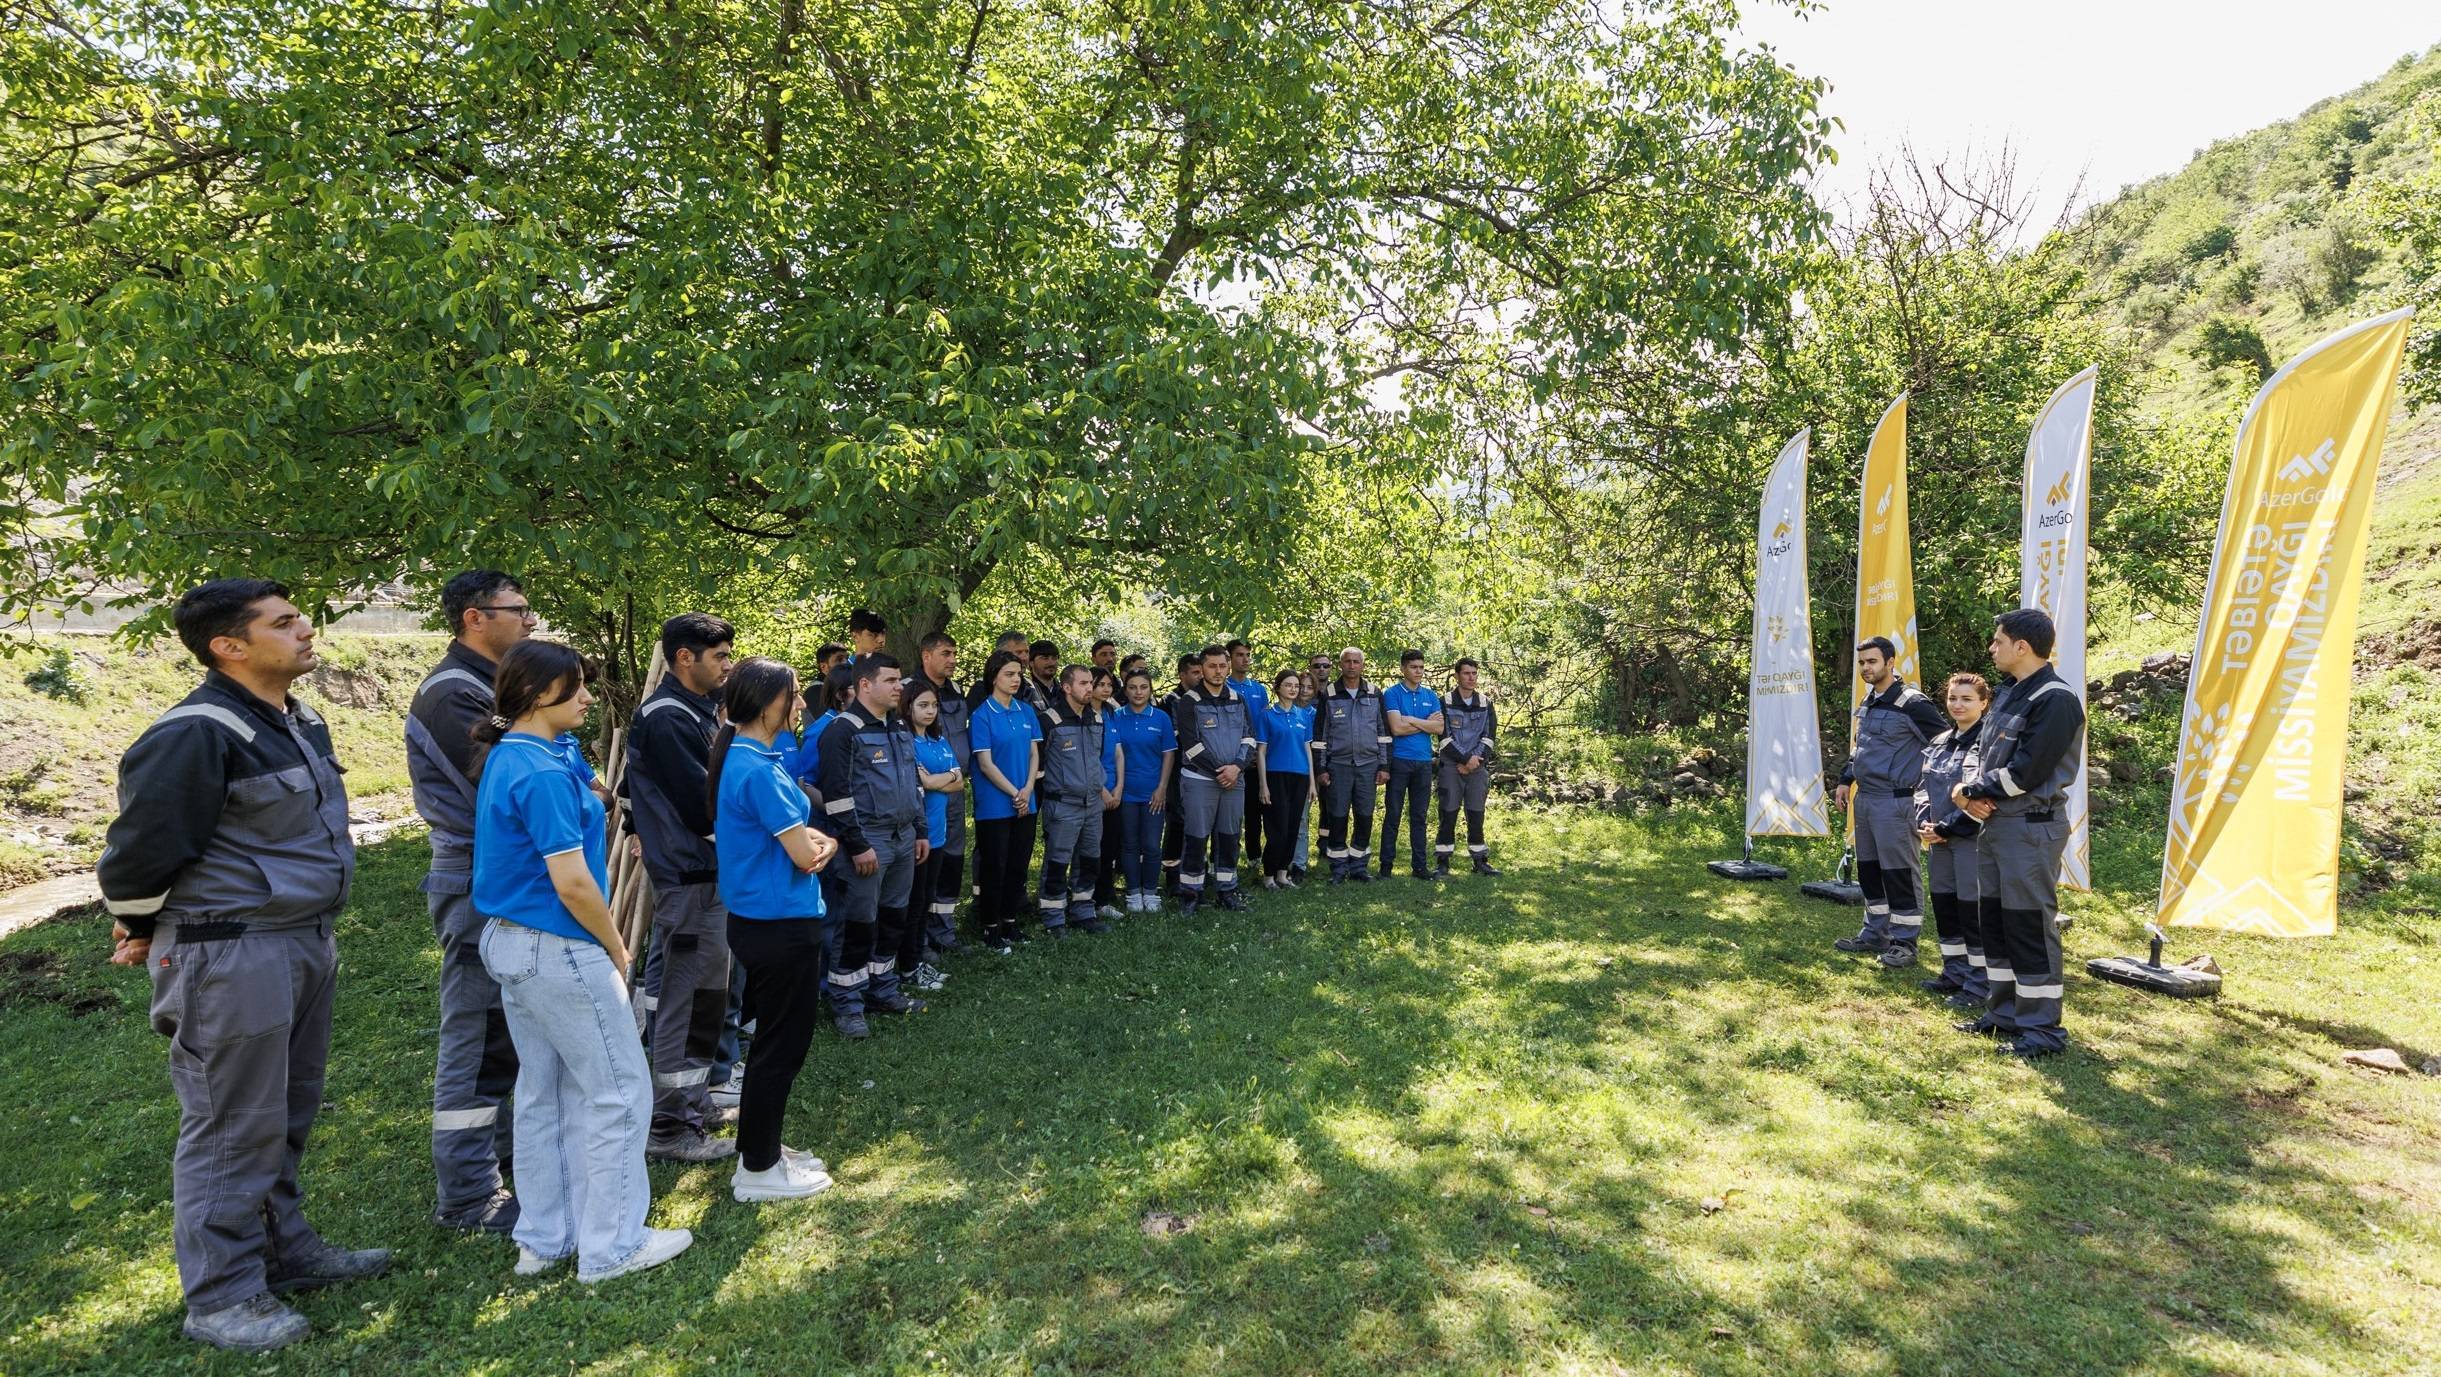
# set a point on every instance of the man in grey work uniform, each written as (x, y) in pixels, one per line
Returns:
(1890, 729)
(226, 867)
(2032, 747)
(669, 746)
(1072, 799)
(1352, 732)
(1465, 769)
(873, 804)
(1215, 747)
(472, 1133)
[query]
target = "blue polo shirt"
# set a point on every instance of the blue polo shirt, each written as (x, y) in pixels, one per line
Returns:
(1287, 735)
(936, 756)
(758, 801)
(1008, 733)
(1257, 697)
(1147, 735)
(1418, 703)
(803, 755)
(534, 802)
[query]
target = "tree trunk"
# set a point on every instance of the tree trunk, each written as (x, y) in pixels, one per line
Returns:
(910, 623)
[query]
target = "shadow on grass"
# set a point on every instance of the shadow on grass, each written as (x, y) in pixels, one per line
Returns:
(1415, 1127)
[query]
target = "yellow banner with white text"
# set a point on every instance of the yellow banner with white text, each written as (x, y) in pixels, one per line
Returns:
(2254, 813)
(1885, 568)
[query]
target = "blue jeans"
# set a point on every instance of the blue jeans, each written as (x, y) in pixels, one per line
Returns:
(584, 1096)
(1140, 847)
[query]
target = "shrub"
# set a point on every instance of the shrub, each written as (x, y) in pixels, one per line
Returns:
(58, 677)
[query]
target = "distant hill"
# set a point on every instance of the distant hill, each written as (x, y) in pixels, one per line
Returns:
(2265, 242)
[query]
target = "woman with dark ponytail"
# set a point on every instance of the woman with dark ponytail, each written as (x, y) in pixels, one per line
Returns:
(542, 878)
(768, 859)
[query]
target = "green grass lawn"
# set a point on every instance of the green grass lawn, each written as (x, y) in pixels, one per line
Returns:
(1604, 1115)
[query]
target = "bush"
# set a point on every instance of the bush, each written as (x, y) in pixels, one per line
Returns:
(58, 677)
(2223, 340)
(2209, 242)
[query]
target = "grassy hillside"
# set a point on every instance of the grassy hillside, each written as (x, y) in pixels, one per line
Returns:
(2266, 241)
(73, 702)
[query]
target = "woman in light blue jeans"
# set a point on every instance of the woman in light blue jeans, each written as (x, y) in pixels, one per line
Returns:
(541, 874)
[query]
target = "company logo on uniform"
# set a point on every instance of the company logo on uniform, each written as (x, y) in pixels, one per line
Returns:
(881, 755)
(2304, 466)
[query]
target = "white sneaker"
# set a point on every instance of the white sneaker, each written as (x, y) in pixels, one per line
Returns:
(728, 1093)
(1108, 912)
(803, 1158)
(928, 977)
(787, 1179)
(534, 1264)
(660, 1245)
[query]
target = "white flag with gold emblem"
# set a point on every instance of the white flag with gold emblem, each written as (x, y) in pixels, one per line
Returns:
(2255, 811)
(1783, 733)
(2051, 566)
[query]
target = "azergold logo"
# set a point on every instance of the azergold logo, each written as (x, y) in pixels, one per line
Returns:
(2059, 490)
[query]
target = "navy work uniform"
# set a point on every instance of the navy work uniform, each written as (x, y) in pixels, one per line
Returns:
(1258, 700)
(1473, 725)
(472, 1131)
(1173, 822)
(669, 749)
(1214, 732)
(1354, 741)
(2030, 754)
(1072, 819)
(1949, 866)
(949, 869)
(1890, 730)
(231, 852)
(872, 800)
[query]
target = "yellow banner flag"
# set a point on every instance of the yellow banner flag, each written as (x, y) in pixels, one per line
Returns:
(1885, 568)
(2254, 814)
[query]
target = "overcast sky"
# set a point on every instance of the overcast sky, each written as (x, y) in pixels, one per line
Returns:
(2113, 91)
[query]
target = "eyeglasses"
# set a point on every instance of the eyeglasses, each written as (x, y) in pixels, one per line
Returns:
(518, 609)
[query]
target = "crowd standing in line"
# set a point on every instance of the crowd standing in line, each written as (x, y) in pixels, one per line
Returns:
(807, 847)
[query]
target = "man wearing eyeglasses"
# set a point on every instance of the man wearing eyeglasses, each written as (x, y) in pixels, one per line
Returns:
(487, 613)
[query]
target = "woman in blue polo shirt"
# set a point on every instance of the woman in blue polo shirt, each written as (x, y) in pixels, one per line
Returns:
(1140, 743)
(1004, 730)
(936, 769)
(768, 857)
(1284, 731)
(542, 879)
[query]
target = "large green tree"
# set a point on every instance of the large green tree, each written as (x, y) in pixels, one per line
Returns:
(650, 298)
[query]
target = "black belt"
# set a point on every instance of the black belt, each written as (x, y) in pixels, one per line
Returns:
(229, 929)
(210, 932)
(698, 877)
(2045, 815)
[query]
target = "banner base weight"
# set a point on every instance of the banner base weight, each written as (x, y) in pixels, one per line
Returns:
(2178, 982)
(1746, 870)
(1837, 891)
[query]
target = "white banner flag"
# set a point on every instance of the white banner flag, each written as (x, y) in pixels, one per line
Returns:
(1783, 731)
(2051, 576)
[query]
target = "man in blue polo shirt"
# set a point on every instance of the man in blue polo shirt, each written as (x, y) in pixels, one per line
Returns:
(1414, 712)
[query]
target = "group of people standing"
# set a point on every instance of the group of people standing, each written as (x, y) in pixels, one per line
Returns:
(1976, 803)
(805, 844)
